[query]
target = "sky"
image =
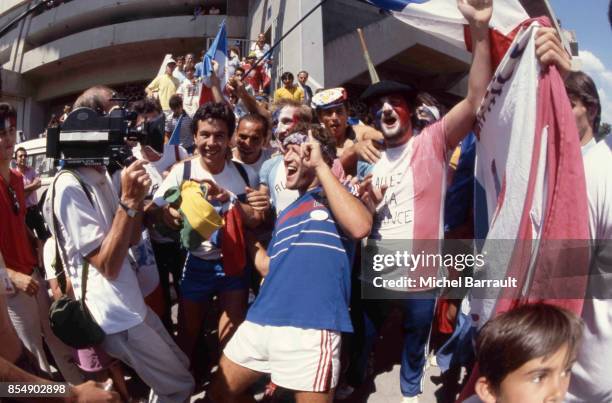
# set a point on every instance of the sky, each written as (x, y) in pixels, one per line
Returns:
(589, 19)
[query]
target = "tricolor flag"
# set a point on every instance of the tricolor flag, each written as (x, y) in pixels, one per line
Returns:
(529, 176)
(175, 138)
(443, 19)
(218, 53)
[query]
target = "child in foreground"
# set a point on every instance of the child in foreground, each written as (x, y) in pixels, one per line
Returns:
(525, 355)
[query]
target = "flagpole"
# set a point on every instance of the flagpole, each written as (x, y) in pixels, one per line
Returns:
(269, 52)
(371, 69)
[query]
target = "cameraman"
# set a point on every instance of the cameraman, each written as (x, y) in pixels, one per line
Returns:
(101, 232)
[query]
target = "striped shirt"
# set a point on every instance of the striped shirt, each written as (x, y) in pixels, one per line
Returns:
(308, 285)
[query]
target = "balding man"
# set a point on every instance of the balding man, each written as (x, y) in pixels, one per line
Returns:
(95, 228)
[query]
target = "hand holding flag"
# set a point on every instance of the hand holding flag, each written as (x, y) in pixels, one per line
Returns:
(476, 11)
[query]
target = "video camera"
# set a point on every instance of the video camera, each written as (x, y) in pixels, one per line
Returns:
(88, 138)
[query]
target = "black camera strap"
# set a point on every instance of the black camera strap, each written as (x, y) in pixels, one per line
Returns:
(60, 272)
(239, 167)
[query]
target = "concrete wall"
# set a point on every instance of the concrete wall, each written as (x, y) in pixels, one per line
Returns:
(386, 39)
(64, 50)
(303, 48)
(129, 33)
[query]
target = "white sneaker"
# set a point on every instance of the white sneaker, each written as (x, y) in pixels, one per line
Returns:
(411, 399)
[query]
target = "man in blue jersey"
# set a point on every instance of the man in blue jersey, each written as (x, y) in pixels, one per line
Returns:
(293, 329)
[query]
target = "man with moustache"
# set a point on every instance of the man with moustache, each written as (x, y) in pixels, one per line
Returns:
(411, 173)
(251, 139)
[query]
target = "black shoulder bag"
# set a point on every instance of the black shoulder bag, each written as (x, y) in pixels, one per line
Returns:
(70, 319)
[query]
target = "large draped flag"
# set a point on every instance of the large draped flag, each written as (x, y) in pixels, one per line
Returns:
(218, 53)
(530, 193)
(443, 19)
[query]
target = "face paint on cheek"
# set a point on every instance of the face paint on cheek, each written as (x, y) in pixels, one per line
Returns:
(403, 114)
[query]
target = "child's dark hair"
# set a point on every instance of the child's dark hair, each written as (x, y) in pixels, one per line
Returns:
(525, 333)
(175, 101)
(215, 110)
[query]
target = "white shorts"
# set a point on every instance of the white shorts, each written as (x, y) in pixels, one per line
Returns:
(298, 359)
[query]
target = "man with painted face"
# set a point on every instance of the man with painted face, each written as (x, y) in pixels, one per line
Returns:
(294, 327)
(272, 175)
(412, 170)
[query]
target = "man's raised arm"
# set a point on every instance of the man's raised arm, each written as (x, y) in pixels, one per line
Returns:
(460, 120)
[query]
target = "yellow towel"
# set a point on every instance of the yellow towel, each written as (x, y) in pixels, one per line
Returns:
(200, 214)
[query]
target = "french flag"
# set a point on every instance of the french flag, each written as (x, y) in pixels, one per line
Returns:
(531, 206)
(175, 138)
(443, 19)
(218, 53)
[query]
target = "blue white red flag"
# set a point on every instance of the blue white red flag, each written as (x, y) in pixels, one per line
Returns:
(218, 53)
(443, 19)
(175, 138)
(528, 175)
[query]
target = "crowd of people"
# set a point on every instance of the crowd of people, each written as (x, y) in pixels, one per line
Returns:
(249, 218)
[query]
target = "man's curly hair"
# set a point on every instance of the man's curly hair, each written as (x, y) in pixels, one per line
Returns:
(215, 110)
(322, 135)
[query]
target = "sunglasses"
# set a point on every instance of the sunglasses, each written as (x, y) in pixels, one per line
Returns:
(14, 200)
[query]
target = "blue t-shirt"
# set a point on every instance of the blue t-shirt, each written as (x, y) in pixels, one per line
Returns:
(309, 282)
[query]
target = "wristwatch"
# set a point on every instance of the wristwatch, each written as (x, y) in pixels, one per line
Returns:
(129, 211)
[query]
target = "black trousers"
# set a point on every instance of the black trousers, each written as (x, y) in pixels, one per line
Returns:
(170, 258)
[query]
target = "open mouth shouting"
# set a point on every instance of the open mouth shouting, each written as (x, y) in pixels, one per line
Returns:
(291, 170)
(390, 122)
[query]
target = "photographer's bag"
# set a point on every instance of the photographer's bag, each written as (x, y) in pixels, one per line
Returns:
(70, 319)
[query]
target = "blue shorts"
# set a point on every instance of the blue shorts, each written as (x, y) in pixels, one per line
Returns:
(202, 279)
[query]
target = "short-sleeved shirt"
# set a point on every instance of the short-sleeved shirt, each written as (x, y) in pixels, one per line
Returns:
(117, 304)
(411, 214)
(591, 380)
(415, 174)
(14, 243)
(309, 282)
(165, 86)
(185, 133)
(296, 93)
(190, 91)
(228, 179)
(30, 176)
